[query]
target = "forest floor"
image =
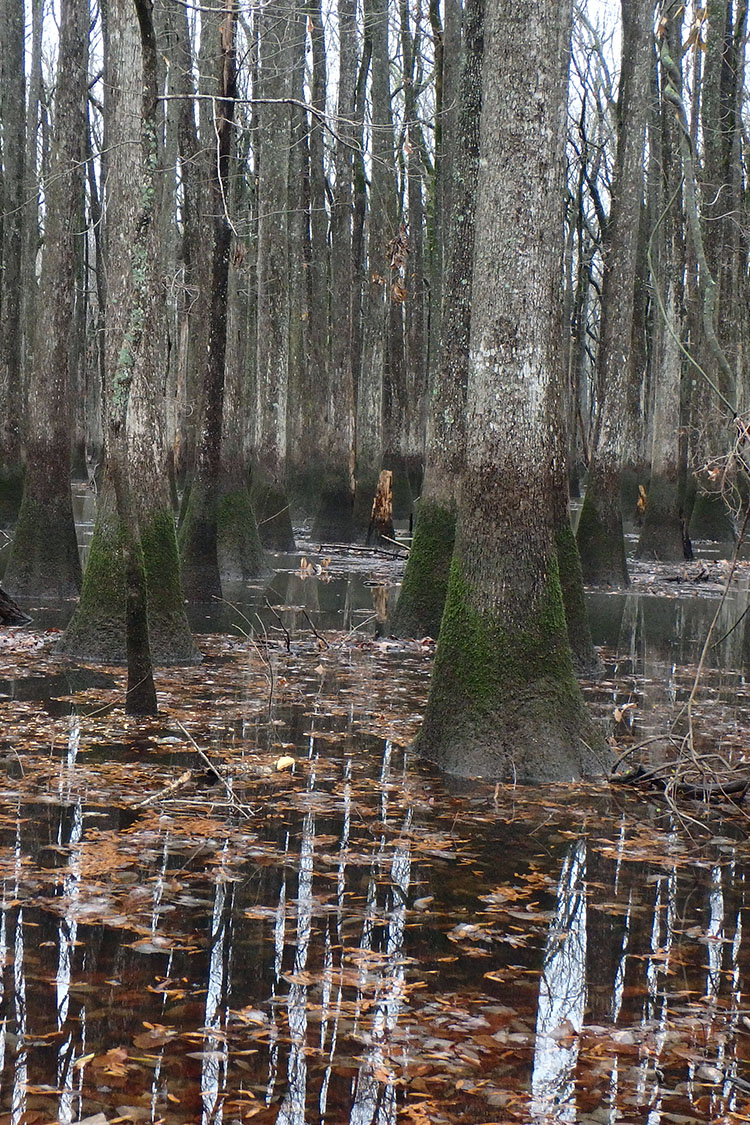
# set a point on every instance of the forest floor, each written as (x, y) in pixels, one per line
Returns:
(259, 906)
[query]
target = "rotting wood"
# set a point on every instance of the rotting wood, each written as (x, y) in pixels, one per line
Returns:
(381, 518)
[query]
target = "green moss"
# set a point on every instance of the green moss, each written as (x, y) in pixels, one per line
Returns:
(504, 700)
(484, 658)
(239, 547)
(44, 560)
(425, 583)
(97, 629)
(169, 632)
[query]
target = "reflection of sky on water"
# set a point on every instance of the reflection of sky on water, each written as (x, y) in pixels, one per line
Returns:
(562, 993)
(310, 919)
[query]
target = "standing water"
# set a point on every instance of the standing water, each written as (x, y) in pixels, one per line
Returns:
(260, 906)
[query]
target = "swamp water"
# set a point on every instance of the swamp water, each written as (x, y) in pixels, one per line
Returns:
(189, 933)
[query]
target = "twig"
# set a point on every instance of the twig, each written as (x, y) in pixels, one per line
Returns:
(245, 810)
(315, 631)
(282, 626)
(181, 780)
(273, 517)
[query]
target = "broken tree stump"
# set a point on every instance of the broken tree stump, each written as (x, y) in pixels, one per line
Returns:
(381, 519)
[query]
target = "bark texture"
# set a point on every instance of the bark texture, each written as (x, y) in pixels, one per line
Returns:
(600, 532)
(268, 484)
(422, 597)
(504, 701)
(12, 114)
(131, 607)
(44, 560)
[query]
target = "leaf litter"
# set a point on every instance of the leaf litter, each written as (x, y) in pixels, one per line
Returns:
(303, 923)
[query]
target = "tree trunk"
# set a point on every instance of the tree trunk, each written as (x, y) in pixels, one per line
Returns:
(663, 532)
(380, 390)
(503, 699)
(12, 114)
(422, 597)
(44, 559)
(334, 519)
(219, 503)
(600, 532)
(131, 603)
(268, 483)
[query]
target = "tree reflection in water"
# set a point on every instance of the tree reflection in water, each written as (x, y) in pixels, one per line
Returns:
(368, 946)
(562, 994)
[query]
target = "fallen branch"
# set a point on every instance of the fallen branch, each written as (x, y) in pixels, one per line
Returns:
(176, 784)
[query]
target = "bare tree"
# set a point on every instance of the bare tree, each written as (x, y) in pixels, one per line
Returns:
(503, 698)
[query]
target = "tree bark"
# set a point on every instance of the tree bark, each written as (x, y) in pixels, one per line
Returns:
(600, 532)
(503, 699)
(12, 114)
(663, 533)
(219, 504)
(132, 604)
(268, 482)
(334, 519)
(44, 559)
(422, 597)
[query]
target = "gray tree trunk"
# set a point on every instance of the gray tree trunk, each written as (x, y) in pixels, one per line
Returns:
(132, 606)
(422, 597)
(601, 540)
(334, 518)
(44, 559)
(503, 699)
(13, 117)
(663, 532)
(269, 484)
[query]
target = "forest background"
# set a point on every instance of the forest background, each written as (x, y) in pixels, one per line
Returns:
(237, 255)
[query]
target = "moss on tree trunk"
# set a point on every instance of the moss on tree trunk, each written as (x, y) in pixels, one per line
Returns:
(425, 583)
(44, 560)
(97, 629)
(508, 703)
(240, 551)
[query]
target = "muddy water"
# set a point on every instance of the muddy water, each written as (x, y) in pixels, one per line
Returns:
(189, 938)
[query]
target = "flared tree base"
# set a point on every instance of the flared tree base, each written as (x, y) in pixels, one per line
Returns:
(334, 519)
(11, 494)
(586, 660)
(198, 538)
(710, 519)
(420, 603)
(239, 549)
(96, 631)
(272, 512)
(662, 537)
(504, 702)
(44, 562)
(600, 536)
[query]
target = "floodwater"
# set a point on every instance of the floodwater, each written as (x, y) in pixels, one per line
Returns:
(260, 907)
